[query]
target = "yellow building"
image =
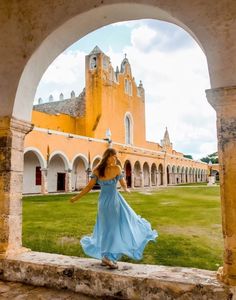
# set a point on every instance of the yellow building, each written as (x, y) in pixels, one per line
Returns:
(70, 135)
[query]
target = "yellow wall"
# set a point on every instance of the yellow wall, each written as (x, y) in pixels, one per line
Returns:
(59, 122)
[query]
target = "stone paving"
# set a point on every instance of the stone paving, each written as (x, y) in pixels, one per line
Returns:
(19, 291)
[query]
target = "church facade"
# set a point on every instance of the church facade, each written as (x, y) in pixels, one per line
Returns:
(70, 135)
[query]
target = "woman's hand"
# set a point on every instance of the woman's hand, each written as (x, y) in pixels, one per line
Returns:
(127, 190)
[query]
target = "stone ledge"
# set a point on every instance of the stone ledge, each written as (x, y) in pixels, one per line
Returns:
(131, 281)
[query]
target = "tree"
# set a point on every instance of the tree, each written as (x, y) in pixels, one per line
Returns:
(188, 156)
(211, 157)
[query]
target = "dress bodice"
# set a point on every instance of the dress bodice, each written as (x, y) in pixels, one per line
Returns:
(112, 181)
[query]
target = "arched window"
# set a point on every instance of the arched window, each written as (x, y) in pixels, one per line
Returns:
(128, 124)
(127, 130)
(126, 86)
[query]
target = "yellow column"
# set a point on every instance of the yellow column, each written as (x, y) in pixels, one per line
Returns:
(12, 133)
(224, 102)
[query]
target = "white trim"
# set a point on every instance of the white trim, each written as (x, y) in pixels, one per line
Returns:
(147, 165)
(63, 156)
(127, 160)
(39, 155)
(95, 157)
(83, 157)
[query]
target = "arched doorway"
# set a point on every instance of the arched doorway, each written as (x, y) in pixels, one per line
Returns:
(186, 175)
(182, 175)
(168, 174)
(137, 174)
(128, 173)
(160, 174)
(34, 162)
(154, 174)
(57, 173)
(146, 174)
(178, 175)
(173, 175)
(79, 173)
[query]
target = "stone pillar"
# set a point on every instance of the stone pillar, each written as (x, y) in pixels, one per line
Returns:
(12, 133)
(132, 179)
(68, 187)
(142, 179)
(44, 181)
(224, 102)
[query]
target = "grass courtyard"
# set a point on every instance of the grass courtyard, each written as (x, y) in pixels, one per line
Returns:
(187, 219)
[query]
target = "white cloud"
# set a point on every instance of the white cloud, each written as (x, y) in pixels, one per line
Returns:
(65, 74)
(142, 37)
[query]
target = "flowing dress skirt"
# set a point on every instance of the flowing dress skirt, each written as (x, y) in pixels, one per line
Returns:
(118, 230)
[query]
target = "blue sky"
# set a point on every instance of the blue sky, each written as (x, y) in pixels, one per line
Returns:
(173, 70)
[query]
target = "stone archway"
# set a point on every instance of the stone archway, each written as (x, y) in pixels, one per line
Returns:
(34, 45)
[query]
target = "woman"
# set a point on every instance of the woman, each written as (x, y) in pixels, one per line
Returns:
(118, 230)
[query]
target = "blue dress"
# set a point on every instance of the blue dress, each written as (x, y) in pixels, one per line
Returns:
(118, 230)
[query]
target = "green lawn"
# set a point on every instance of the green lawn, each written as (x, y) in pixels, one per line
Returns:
(187, 219)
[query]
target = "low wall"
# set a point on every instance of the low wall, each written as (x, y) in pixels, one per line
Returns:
(130, 281)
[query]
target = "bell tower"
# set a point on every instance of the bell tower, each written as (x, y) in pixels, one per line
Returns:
(93, 90)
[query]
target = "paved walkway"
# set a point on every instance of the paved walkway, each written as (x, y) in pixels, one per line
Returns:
(19, 291)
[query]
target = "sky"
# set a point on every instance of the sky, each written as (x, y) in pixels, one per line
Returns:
(172, 67)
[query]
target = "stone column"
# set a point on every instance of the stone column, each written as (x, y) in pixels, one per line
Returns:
(224, 102)
(68, 187)
(44, 181)
(12, 133)
(150, 179)
(142, 179)
(164, 169)
(132, 179)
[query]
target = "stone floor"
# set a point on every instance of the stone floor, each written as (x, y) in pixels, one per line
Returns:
(19, 291)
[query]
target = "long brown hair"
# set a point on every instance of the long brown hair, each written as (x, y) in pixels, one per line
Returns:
(103, 163)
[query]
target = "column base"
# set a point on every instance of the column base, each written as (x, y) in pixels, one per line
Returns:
(13, 252)
(225, 278)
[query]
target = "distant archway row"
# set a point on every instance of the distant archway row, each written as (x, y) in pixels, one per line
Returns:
(151, 175)
(58, 173)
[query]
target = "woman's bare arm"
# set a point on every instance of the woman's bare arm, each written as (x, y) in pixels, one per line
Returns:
(84, 191)
(124, 185)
